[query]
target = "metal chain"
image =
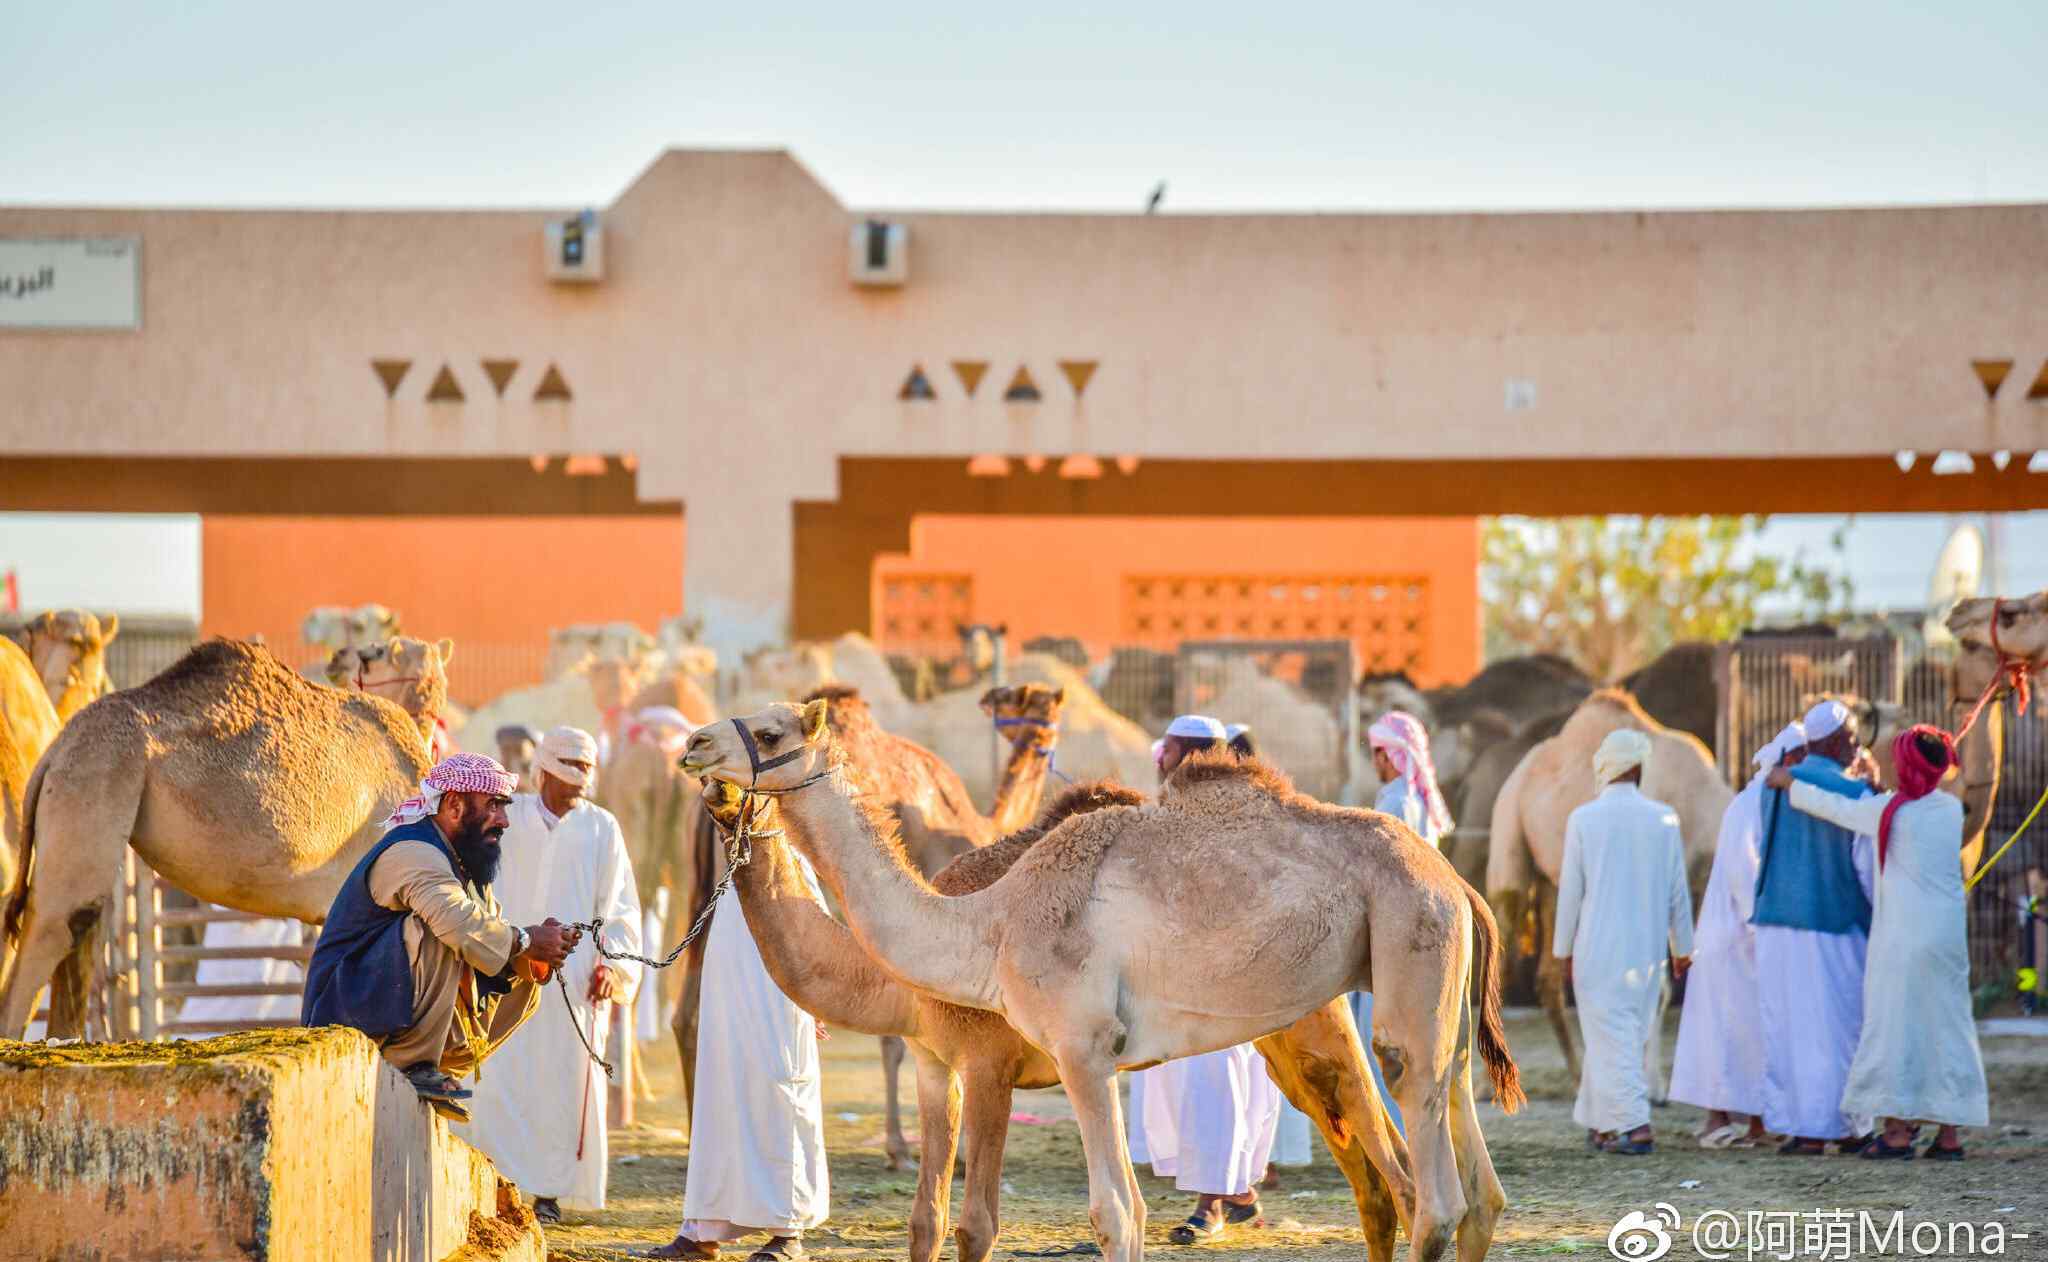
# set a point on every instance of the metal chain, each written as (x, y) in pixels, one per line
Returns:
(739, 849)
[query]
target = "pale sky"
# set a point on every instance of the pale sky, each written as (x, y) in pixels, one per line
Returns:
(1352, 106)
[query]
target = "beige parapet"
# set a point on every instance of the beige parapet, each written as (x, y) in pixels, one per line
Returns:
(274, 1144)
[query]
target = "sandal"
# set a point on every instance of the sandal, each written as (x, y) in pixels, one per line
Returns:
(682, 1249)
(779, 1249)
(1623, 1146)
(1878, 1150)
(453, 1110)
(1797, 1147)
(431, 1084)
(1724, 1135)
(1237, 1215)
(1935, 1152)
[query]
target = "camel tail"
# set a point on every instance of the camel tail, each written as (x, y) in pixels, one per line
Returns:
(1493, 1036)
(17, 897)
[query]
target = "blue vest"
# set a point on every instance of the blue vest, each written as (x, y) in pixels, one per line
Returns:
(360, 974)
(1806, 875)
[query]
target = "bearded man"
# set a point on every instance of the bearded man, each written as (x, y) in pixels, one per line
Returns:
(562, 853)
(414, 953)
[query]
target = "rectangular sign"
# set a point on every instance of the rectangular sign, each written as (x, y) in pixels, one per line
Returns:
(76, 283)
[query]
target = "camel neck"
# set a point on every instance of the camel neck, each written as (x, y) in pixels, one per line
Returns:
(1022, 786)
(930, 942)
(812, 957)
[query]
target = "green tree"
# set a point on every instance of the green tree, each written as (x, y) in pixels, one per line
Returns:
(1610, 593)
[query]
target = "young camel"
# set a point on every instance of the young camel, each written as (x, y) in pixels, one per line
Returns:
(238, 780)
(1103, 945)
(969, 1061)
(932, 808)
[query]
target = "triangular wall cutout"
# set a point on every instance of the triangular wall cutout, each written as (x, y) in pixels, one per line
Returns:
(500, 372)
(915, 386)
(970, 372)
(1022, 388)
(1078, 372)
(444, 389)
(391, 372)
(552, 386)
(2039, 390)
(1992, 373)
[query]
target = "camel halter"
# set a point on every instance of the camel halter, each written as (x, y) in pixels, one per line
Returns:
(1051, 752)
(756, 766)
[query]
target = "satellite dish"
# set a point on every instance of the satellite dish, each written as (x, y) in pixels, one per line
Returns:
(1958, 573)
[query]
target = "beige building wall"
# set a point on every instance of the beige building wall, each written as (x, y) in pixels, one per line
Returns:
(727, 351)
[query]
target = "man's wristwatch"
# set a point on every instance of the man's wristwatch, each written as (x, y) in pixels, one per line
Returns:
(518, 942)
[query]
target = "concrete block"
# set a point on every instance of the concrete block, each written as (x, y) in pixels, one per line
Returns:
(272, 1145)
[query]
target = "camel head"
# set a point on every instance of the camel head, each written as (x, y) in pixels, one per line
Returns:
(570, 649)
(789, 672)
(724, 800)
(613, 682)
(978, 643)
(412, 674)
(2022, 625)
(370, 625)
(791, 743)
(1026, 713)
(69, 649)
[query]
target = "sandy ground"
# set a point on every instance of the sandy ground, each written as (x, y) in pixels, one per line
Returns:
(1561, 1198)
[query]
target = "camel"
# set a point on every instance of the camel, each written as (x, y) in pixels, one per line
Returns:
(238, 780)
(1555, 778)
(1104, 946)
(69, 649)
(2017, 645)
(1292, 729)
(395, 669)
(931, 809)
(969, 1061)
(1095, 741)
(28, 723)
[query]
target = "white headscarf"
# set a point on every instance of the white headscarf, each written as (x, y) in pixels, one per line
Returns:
(1793, 737)
(1406, 743)
(563, 746)
(1624, 750)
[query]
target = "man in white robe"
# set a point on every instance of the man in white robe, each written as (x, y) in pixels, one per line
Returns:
(1622, 904)
(1917, 1060)
(540, 1113)
(1720, 1064)
(1812, 913)
(757, 1134)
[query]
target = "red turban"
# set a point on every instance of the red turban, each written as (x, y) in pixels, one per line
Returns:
(1917, 776)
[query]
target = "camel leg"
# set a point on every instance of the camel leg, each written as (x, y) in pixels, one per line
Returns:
(683, 1021)
(1484, 1197)
(1320, 1065)
(985, 1130)
(938, 1120)
(69, 988)
(895, 1145)
(84, 816)
(1422, 1002)
(1550, 981)
(1653, 1047)
(1115, 1209)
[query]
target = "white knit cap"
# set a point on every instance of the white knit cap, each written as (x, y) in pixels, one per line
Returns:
(1199, 727)
(1824, 720)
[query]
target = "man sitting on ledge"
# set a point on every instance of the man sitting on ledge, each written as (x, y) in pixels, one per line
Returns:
(414, 953)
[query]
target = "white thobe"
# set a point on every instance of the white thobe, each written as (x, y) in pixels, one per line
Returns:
(1720, 1062)
(1809, 991)
(757, 1136)
(1210, 1120)
(234, 1012)
(1398, 798)
(1917, 1058)
(540, 1103)
(1622, 904)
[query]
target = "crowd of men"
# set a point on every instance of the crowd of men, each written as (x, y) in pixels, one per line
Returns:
(1829, 979)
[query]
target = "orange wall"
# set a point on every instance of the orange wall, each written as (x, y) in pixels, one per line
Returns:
(496, 584)
(1065, 575)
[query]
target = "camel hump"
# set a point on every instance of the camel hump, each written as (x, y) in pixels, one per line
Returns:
(1219, 769)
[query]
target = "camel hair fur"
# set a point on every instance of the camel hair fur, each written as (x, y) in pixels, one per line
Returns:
(28, 723)
(930, 807)
(969, 1061)
(69, 649)
(234, 777)
(2019, 625)
(1102, 945)
(1554, 779)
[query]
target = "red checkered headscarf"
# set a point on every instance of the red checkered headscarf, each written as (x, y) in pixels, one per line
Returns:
(457, 773)
(1918, 776)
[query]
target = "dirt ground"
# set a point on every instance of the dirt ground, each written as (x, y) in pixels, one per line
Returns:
(1562, 1199)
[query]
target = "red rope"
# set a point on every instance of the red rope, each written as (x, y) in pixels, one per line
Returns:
(2014, 672)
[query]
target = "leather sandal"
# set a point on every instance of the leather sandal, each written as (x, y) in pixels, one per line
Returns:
(780, 1249)
(1797, 1147)
(1935, 1152)
(684, 1250)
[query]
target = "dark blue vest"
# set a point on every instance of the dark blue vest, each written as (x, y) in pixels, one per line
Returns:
(1806, 872)
(360, 974)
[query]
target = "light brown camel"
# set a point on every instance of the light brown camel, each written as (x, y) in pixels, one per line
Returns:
(969, 1061)
(238, 780)
(28, 723)
(1555, 778)
(69, 649)
(2021, 636)
(1133, 935)
(936, 819)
